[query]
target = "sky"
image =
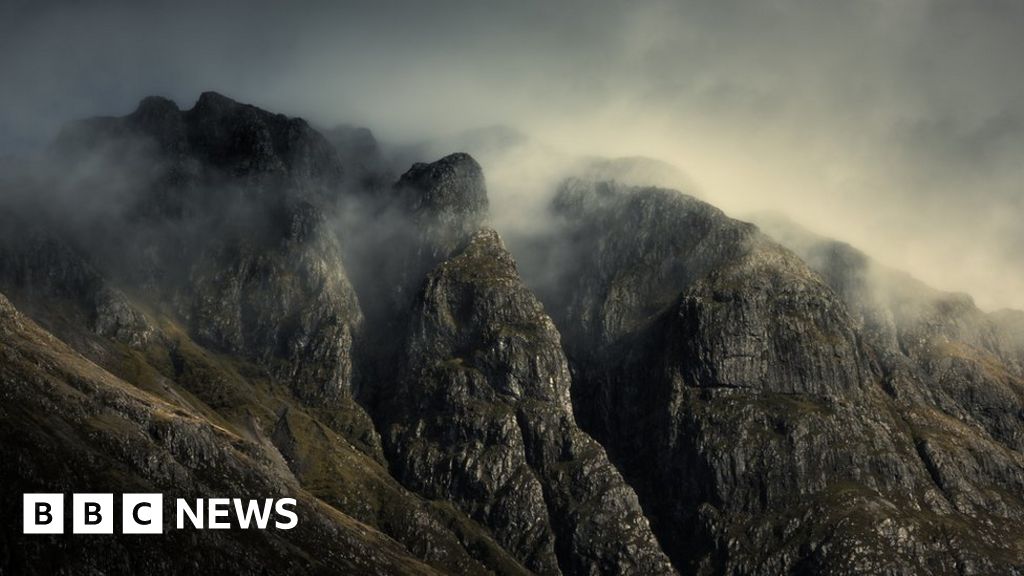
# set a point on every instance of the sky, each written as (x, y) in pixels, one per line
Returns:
(895, 125)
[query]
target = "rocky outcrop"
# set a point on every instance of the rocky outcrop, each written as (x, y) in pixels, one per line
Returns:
(936, 347)
(445, 202)
(735, 391)
(232, 230)
(283, 300)
(429, 214)
(480, 413)
(60, 284)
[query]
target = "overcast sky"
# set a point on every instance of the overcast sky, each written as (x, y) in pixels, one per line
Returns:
(896, 125)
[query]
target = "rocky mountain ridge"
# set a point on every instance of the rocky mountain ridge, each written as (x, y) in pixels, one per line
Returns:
(678, 393)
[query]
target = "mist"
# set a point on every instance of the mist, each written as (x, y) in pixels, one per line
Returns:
(897, 127)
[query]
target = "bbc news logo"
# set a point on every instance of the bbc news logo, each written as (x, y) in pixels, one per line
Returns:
(144, 513)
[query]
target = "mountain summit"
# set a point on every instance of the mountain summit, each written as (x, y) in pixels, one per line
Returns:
(225, 312)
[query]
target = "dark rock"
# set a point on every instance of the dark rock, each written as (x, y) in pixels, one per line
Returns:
(431, 213)
(286, 304)
(210, 155)
(759, 410)
(936, 347)
(57, 282)
(446, 201)
(245, 141)
(733, 388)
(481, 416)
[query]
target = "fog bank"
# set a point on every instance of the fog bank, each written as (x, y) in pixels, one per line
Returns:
(898, 127)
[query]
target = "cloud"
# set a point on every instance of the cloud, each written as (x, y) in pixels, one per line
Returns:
(896, 126)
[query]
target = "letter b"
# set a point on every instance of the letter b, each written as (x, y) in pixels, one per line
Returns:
(93, 514)
(43, 514)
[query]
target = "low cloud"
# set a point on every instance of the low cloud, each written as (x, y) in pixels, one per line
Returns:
(894, 126)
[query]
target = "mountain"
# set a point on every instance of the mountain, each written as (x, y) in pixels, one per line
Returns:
(756, 416)
(478, 412)
(964, 360)
(490, 142)
(69, 425)
(224, 301)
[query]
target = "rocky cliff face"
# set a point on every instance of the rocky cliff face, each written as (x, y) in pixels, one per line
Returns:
(285, 302)
(480, 414)
(44, 272)
(754, 415)
(244, 306)
(963, 360)
(245, 254)
(232, 302)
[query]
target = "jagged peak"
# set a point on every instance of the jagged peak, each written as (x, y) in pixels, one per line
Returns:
(159, 118)
(453, 185)
(485, 247)
(579, 197)
(216, 105)
(151, 105)
(210, 100)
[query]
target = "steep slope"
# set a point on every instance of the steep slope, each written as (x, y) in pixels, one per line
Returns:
(313, 444)
(237, 196)
(479, 411)
(734, 390)
(968, 361)
(227, 307)
(67, 425)
(52, 280)
(208, 272)
(234, 306)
